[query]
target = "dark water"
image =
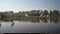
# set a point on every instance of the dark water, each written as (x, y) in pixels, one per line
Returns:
(30, 26)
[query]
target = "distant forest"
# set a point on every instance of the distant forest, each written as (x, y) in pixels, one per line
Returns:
(27, 14)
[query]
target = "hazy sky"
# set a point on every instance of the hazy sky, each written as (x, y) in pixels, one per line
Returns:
(20, 5)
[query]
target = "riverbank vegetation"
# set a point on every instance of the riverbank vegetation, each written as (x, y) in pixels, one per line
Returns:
(26, 15)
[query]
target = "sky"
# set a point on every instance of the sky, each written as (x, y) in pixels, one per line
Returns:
(27, 5)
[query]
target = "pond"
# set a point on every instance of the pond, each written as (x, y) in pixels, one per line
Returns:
(30, 26)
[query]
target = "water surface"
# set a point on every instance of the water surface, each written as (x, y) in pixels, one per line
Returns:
(32, 26)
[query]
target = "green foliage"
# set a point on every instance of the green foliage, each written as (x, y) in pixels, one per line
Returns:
(45, 12)
(12, 15)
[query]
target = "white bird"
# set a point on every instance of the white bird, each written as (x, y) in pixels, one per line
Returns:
(26, 15)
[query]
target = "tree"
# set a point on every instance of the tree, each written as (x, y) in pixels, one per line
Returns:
(56, 12)
(51, 13)
(45, 12)
(11, 11)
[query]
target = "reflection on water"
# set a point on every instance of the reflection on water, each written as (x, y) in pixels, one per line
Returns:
(12, 24)
(54, 20)
(35, 20)
(30, 25)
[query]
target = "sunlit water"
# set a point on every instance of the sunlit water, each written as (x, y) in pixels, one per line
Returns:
(29, 27)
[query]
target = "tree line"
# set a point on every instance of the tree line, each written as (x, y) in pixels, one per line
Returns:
(33, 13)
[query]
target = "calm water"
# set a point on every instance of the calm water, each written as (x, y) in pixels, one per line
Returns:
(32, 26)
